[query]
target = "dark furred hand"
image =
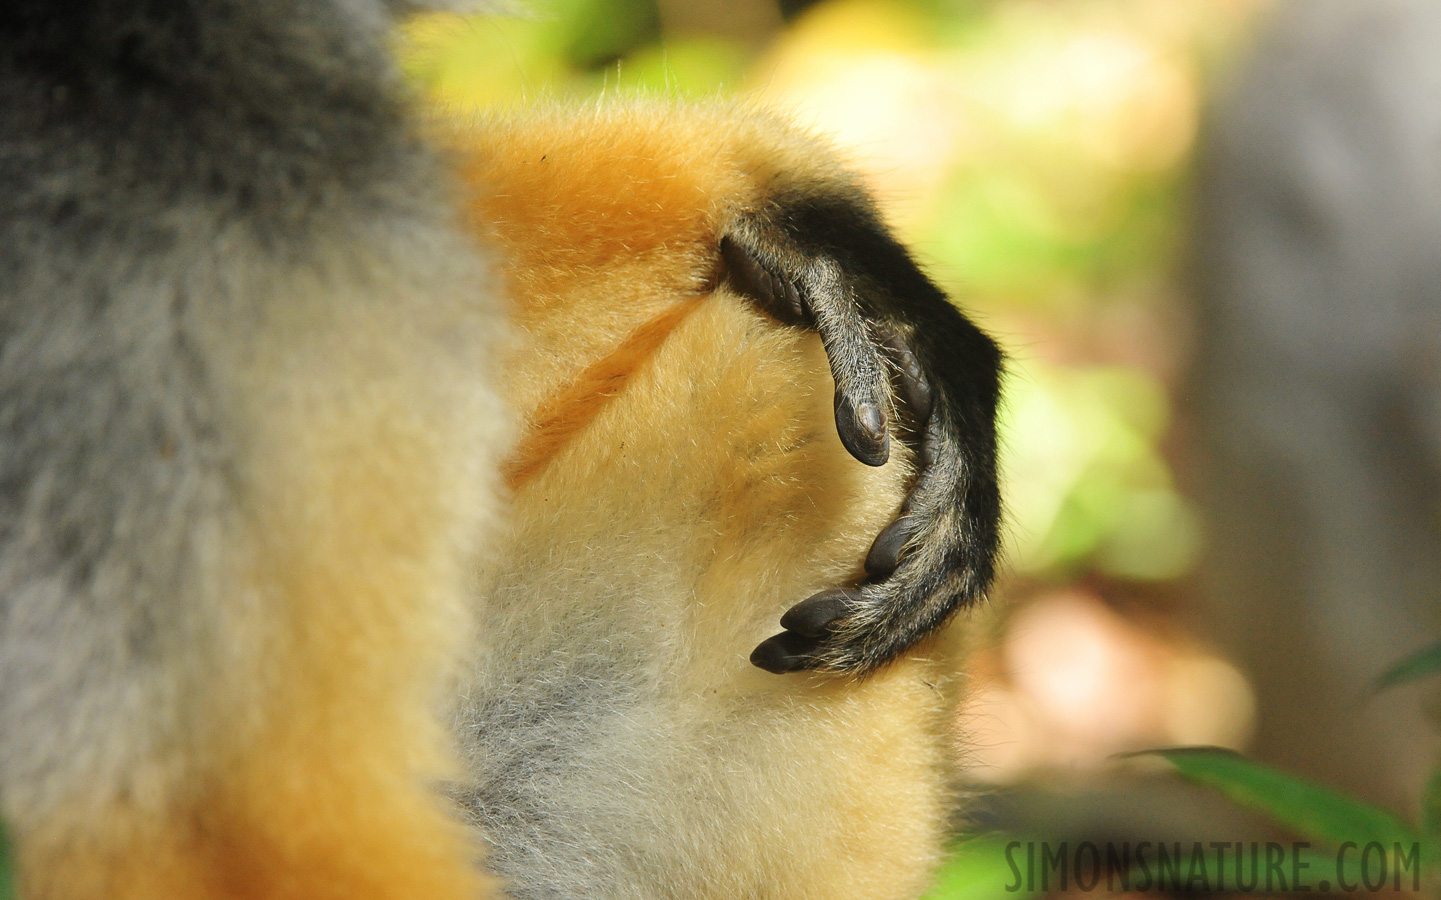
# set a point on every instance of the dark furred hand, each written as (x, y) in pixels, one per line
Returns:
(904, 360)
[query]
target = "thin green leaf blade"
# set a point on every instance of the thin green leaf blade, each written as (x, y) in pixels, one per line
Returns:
(7, 870)
(981, 868)
(1413, 668)
(1431, 806)
(1311, 810)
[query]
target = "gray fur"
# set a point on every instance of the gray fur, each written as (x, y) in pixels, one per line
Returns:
(177, 176)
(171, 175)
(568, 731)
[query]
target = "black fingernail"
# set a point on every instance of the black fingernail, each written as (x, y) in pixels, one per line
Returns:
(885, 552)
(863, 431)
(785, 652)
(872, 420)
(814, 616)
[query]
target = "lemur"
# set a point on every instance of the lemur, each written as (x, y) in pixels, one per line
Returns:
(259, 392)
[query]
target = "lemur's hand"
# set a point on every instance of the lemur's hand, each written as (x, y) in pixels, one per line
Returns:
(905, 361)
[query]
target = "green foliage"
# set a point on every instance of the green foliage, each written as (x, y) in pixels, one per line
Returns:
(1086, 477)
(1008, 232)
(7, 872)
(1320, 814)
(598, 32)
(1309, 809)
(1412, 668)
(1342, 827)
(1317, 812)
(1038, 154)
(978, 870)
(1431, 806)
(563, 49)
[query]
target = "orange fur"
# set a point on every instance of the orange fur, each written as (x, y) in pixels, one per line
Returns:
(675, 426)
(681, 484)
(603, 219)
(330, 792)
(577, 404)
(315, 735)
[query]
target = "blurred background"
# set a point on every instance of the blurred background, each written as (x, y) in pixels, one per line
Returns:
(1205, 232)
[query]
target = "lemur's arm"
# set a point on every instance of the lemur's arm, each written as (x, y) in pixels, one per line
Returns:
(631, 201)
(905, 361)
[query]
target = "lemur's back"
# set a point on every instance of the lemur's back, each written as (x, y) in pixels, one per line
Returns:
(243, 406)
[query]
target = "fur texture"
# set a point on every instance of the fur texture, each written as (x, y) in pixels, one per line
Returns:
(245, 434)
(250, 440)
(662, 201)
(620, 744)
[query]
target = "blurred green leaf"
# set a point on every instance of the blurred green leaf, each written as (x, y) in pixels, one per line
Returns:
(1087, 483)
(1431, 806)
(479, 61)
(7, 871)
(979, 869)
(1412, 668)
(598, 32)
(685, 67)
(1312, 810)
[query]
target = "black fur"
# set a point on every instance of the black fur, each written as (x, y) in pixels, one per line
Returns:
(827, 261)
